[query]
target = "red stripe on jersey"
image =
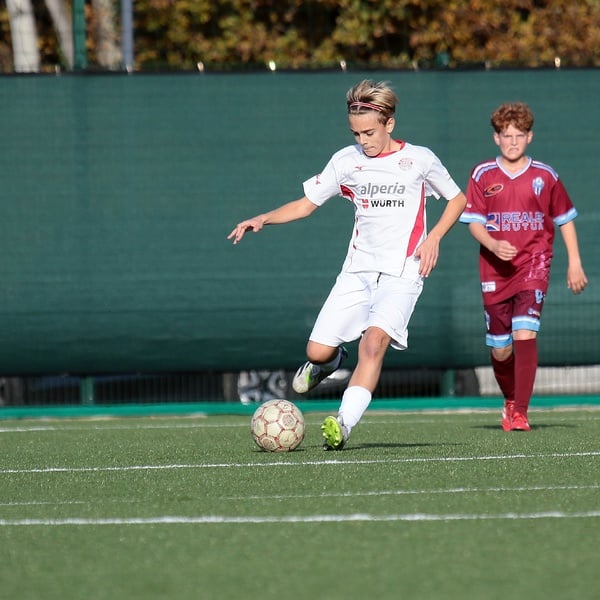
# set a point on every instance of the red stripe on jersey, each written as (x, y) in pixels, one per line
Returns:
(419, 226)
(347, 192)
(349, 195)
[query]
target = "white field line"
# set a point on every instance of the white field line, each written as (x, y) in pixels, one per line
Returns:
(132, 427)
(423, 492)
(318, 463)
(407, 418)
(356, 517)
(370, 493)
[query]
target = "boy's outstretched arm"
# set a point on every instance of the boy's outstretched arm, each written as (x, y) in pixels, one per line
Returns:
(292, 211)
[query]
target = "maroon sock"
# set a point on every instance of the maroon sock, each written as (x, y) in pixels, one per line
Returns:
(526, 363)
(504, 371)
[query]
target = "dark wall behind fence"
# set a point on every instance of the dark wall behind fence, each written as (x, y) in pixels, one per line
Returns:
(118, 193)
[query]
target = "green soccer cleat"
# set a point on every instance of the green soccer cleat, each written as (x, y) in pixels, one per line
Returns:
(309, 375)
(335, 434)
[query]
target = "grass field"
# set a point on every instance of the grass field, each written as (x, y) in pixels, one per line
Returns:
(419, 505)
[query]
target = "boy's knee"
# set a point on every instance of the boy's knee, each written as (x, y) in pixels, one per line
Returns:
(320, 353)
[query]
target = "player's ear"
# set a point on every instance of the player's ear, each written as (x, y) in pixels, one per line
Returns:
(389, 126)
(496, 138)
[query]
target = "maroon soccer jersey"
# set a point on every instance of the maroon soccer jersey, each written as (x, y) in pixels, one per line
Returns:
(522, 208)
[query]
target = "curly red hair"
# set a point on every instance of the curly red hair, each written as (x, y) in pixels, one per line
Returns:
(517, 114)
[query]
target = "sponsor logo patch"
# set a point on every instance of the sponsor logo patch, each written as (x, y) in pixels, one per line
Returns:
(492, 190)
(515, 221)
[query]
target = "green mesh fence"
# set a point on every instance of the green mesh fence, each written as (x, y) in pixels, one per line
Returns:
(119, 192)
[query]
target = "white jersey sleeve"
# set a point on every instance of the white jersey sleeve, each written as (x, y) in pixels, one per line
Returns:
(328, 183)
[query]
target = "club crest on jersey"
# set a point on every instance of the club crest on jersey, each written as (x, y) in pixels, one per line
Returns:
(537, 185)
(405, 164)
(492, 190)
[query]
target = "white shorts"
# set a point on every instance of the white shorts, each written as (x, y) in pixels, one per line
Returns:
(361, 300)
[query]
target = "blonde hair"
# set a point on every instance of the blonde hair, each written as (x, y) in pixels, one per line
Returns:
(371, 95)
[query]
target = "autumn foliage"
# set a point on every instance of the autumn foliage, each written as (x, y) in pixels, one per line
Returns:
(313, 34)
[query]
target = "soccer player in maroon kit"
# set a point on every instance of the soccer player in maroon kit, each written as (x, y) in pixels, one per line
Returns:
(513, 206)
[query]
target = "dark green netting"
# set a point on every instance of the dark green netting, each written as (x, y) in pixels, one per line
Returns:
(119, 191)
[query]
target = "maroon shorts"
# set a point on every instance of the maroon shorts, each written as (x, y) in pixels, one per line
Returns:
(521, 311)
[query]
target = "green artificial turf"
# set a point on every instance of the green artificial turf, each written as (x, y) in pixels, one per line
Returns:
(419, 505)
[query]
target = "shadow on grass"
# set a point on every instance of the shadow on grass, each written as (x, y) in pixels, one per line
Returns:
(534, 427)
(356, 447)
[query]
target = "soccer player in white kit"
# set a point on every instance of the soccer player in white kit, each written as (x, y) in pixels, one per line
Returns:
(514, 205)
(389, 254)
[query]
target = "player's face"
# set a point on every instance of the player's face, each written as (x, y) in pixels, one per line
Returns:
(512, 143)
(373, 136)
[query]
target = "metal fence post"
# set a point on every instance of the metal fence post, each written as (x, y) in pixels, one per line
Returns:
(79, 36)
(86, 391)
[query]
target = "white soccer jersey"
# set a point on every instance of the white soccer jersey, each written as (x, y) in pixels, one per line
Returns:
(388, 193)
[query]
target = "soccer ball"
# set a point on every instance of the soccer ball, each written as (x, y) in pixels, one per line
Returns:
(277, 426)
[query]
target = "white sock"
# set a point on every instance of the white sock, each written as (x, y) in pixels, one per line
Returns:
(355, 401)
